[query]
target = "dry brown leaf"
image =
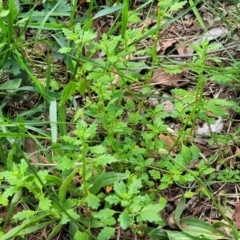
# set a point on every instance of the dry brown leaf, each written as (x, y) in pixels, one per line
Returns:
(160, 77)
(108, 189)
(237, 152)
(183, 50)
(39, 48)
(167, 140)
(236, 216)
(166, 44)
(211, 35)
(168, 106)
(30, 148)
(115, 76)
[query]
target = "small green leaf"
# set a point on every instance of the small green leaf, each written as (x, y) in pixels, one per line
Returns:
(25, 214)
(82, 86)
(135, 187)
(4, 13)
(177, 5)
(113, 199)
(125, 220)
(65, 219)
(106, 216)
(189, 194)
(195, 152)
(133, 18)
(81, 235)
(103, 160)
(78, 114)
(99, 149)
(87, 66)
(104, 213)
(54, 84)
(154, 174)
(150, 213)
(65, 50)
(45, 203)
(63, 162)
(106, 233)
(186, 154)
(3, 201)
(120, 188)
(92, 201)
(11, 84)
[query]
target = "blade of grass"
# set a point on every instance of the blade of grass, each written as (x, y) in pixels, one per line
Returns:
(62, 120)
(63, 189)
(41, 27)
(53, 120)
(14, 232)
(11, 207)
(73, 12)
(35, 80)
(89, 18)
(67, 92)
(124, 18)
(197, 15)
(11, 17)
(55, 231)
(108, 10)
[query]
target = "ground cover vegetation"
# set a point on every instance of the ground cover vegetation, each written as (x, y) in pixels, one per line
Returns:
(119, 119)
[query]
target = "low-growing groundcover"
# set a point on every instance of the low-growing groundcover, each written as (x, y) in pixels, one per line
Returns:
(119, 120)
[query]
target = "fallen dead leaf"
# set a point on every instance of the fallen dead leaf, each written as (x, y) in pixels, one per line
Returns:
(168, 106)
(236, 216)
(183, 50)
(30, 148)
(161, 77)
(166, 44)
(237, 152)
(115, 76)
(211, 35)
(108, 189)
(39, 48)
(167, 140)
(216, 127)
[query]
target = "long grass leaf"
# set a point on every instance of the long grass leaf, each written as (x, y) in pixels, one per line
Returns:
(35, 80)
(62, 120)
(124, 18)
(67, 92)
(53, 120)
(197, 15)
(108, 10)
(45, 19)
